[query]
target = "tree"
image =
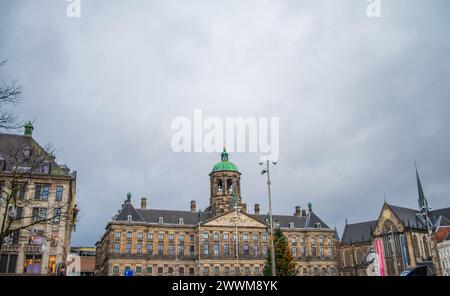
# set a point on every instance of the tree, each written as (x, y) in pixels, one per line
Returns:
(284, 260)
(10, 95)
(29, 217)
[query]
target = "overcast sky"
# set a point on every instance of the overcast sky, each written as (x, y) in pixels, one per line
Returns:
(359, 99)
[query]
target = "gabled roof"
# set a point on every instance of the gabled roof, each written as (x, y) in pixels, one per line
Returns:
(358, 232)
(128, 210)
(408, 217)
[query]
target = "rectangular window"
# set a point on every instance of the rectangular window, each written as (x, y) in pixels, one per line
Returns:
(160, 249)
(206, 270)
(138, 269)
(161, 236)
(227, 270)
(294, 252)
(35, 215)
(205, 249)
(129, 234)
(57, 215)
(19, 211)
(216, 249)
(150, 236)
(181, 237)
(171, 237)
(181, 250)
(41, 191)
(216, 236)
(191, 237)
(139, 235)
(322, 251)
(205, 235)
(264, 250)
(19, 189)
(255, 237)
(191, 251)
(255, 250)
(116, 269)
(139, 248)
(150, 249)
(216, 269)
(117, 248)
(264, 237)
(330, 251)
(171, 250)
(226, 249)
(245, 236)
(160, 270)
(303, 250)
(59, 193)
(256, 269)
(225, 236)
(246, 251)
(128, 248)
(42, 214)
(149, 270)
(117, 235)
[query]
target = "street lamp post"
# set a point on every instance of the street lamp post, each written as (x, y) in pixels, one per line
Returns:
(272, 248)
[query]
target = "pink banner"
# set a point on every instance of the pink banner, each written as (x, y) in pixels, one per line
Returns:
(379, 252)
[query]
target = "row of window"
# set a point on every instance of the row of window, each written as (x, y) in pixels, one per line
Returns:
(225, 236)
(314, 252)
(41, 191)
(206, 270)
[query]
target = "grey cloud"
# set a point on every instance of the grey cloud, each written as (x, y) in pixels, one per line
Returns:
(359, 99)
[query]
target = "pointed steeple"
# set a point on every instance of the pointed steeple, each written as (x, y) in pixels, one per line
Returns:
(423, 204)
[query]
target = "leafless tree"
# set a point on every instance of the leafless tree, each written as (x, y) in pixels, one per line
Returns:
(10, 95)
(20, 213)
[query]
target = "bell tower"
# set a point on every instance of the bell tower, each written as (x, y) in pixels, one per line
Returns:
(225, 182)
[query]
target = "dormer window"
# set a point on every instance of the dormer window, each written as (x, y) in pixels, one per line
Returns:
(161, 220)
(180, 221)
(318, 225)
(291, 225)
(27, 152)
(45, 169)
(129, 218)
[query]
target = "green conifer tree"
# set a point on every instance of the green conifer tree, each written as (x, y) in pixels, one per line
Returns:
(284, 260)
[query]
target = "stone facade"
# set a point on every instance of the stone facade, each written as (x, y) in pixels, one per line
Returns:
(165, 242)
(38, 248)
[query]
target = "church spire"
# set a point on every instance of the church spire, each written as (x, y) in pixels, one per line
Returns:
(423, 204)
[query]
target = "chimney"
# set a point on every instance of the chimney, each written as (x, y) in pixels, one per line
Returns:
(193, 206)
(298, 211)
(256, 209)
(143, 203)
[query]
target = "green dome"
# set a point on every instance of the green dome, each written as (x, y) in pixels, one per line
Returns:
(225, 165)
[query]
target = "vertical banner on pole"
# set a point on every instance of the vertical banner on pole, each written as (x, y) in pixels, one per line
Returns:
(404, 252)
(379, 252)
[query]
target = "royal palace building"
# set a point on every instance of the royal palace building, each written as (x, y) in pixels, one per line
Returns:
(37, 206)
(225, 239)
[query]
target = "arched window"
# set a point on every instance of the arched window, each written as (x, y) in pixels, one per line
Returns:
(359, 256)
(230, 185)
(416, 246)
(347, 259)
(425, 247)
(219, 185)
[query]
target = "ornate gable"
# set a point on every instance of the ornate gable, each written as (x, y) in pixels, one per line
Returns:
(229, 219)
(387, 219)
